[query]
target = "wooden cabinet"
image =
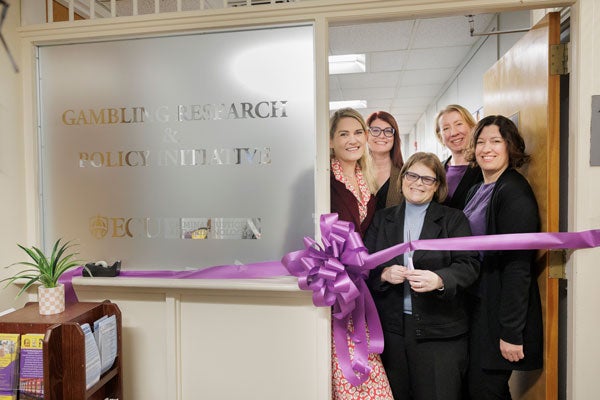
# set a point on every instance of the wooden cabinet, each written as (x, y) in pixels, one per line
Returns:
(64, 349)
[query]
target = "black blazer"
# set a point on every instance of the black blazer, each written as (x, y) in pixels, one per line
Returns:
(471, 177)
(437, 314)
(510, 298)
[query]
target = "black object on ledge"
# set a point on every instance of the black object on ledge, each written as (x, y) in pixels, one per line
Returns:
(101, 269)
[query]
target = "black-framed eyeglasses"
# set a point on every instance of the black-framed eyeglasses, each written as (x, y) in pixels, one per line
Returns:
(412, 177)
(376, 131)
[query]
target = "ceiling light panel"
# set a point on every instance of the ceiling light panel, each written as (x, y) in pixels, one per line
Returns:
(357, 104)
(347, 64)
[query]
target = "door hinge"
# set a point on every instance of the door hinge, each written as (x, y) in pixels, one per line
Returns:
(559, 59)
(556, 264)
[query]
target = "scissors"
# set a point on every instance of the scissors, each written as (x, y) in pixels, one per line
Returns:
(410, 265)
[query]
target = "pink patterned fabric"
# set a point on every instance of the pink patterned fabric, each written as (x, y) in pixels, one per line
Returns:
(376, 387)
(362, 193)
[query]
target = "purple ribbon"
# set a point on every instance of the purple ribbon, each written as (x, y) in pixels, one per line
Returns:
(511, 241)
(336, 271)
(259, 270)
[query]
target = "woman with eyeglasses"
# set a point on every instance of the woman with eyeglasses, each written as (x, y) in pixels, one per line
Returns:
(420, 297)
(384, 145)
(506, 328)
(453, 128)
(351, 193)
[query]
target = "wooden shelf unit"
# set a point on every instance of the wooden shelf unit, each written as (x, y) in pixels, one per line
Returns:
(64, 349)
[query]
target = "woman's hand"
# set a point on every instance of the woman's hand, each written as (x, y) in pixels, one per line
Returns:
(512, 352)
(423, 280)
(393, 274)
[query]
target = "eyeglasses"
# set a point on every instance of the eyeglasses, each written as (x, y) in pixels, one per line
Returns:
(412, 177)
(375, 131)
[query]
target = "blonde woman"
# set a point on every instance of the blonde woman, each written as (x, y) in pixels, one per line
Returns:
(352, 188)
(352, 182)
(453, 128)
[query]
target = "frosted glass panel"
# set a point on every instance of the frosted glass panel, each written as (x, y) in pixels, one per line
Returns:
(183, 151)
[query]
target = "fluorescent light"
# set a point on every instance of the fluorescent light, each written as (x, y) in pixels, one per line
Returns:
(336, 105)
(346, 64)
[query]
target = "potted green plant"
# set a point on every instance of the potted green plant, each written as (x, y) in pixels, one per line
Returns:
(46, 270)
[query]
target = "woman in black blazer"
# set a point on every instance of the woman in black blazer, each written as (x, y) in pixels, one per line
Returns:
(422, 310)
(506, 329)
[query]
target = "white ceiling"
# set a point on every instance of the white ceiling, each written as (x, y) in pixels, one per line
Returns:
(408, 63)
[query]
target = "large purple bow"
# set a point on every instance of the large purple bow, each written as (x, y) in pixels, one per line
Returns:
(335, 272)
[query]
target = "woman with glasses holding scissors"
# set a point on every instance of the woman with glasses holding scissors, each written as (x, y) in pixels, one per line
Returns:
(384, 146)
(420, 296)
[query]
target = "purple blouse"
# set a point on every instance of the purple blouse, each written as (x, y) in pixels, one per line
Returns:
(476, 208)
(454, 174)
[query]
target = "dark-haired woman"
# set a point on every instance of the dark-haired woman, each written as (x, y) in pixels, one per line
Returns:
(384, 145)
(421, 298)
(506, 329)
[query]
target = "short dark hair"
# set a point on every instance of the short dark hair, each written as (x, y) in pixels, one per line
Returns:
(515, 145)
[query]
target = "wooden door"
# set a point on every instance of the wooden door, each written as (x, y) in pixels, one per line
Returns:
(520, 86)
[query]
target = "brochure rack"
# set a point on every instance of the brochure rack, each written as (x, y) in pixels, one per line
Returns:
(64, 349)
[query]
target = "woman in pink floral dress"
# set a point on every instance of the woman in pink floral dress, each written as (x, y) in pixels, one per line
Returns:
(352, 188)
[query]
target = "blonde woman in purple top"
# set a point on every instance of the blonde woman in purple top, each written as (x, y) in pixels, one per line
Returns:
(453, 128)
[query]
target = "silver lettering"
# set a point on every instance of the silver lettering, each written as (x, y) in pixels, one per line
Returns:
(247, 110)
(176, 157)
(265, 156)
(257, 110)
(233, 111)
(216, 158)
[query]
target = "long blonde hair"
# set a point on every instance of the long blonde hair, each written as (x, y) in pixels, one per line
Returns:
(365, 162)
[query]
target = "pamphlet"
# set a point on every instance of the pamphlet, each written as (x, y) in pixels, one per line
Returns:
(107, 341)
(92, 357)
(9, 365)
(31, 380)
(100, 347)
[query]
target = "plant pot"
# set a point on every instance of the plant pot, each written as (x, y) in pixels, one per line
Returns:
(51, 300)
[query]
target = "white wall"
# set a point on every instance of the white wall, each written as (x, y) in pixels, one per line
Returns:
(12, 190)
(583, 269)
